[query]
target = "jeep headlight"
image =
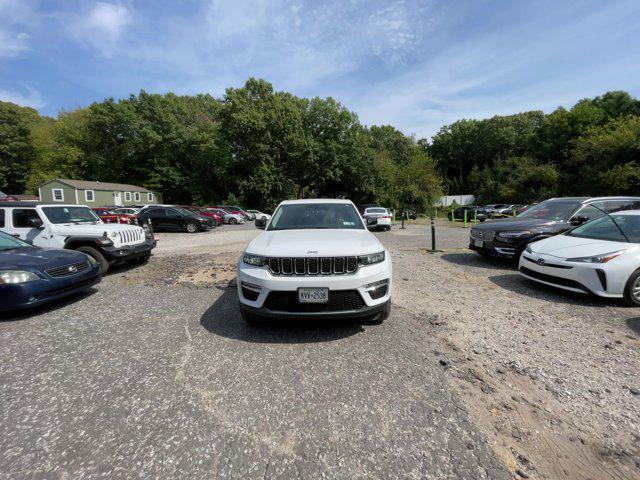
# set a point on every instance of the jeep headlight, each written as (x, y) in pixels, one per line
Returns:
(17, 276)
(255, 260)
(371, 258)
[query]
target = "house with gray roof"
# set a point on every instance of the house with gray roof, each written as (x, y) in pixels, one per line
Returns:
(96, 194)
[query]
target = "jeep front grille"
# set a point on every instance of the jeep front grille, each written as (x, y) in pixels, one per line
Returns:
(313, 266)
(133, 235)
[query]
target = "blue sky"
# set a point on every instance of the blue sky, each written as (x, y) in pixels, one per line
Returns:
(416, 65)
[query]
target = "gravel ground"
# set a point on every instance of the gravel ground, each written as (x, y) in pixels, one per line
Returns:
(476, 374)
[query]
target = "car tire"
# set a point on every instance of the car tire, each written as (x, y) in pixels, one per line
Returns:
(97, 256)
(632, 290)
(191, 227)
(233, 221)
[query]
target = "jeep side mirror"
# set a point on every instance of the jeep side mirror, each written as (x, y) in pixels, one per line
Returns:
(261, 223)
(36, 223)
(579, 220)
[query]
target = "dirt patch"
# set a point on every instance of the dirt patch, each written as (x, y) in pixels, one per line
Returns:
(189, 271)
(551, 379)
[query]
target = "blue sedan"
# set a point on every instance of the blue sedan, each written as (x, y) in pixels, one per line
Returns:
(31, 276)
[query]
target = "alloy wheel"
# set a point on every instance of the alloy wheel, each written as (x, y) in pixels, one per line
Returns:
(635, 290)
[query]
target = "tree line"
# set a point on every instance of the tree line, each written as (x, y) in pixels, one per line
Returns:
(257, 146)
(591, 149)
(254, 146)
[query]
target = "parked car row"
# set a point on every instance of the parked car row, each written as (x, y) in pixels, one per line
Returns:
(48, 251)
(586, 245)
(192, 218)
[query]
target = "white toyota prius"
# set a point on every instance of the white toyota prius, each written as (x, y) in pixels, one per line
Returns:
(600, 257)
(316, 259)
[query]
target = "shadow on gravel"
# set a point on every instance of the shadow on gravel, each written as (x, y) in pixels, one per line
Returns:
(473, 259)
(47, 307)
(634, 324)
(517, 284)
(223, 318)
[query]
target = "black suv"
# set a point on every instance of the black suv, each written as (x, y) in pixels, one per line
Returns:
(175, 219)
(473, 213)
(508, 237)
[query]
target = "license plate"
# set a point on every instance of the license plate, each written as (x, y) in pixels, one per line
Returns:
(478, 243)
(313, 295)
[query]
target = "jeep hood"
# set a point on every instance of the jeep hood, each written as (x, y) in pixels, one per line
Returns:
(314, 243)
(90, 229)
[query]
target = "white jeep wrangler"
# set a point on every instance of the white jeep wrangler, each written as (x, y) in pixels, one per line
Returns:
(76, 227)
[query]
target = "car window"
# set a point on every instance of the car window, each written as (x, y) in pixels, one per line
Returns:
(9, 242)
(591, 211)
(555, 210)
(71, 215)
(620, 205)
(612, 227)
(1, 217)
(376, 210)
(21, 217)
(301, 216)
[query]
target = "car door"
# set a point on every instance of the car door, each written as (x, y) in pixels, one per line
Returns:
(174, 220)
(22, 229)
(157, 216)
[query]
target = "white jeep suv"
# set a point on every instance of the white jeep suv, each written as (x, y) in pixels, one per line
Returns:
(316, 259)
(76, 227)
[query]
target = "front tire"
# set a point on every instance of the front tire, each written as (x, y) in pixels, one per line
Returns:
(233, 221)
(191, 227)
(97, 256)
(383, 315)
(632, 290)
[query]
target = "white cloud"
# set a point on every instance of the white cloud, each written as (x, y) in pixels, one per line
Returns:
(12, 45)
(29, 97)
(103, 26)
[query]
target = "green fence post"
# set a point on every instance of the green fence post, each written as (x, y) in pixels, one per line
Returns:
(465, 218)
(475, 215)
(436, 213)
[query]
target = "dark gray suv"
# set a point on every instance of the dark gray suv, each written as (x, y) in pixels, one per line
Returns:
(508, 237)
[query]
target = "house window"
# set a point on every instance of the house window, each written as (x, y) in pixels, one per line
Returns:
(127, 196)
(136, 196)
(89, 196)
(58, 194)
(149, 197)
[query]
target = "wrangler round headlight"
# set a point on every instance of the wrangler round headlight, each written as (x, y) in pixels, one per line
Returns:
(17, 276)
(371, 258)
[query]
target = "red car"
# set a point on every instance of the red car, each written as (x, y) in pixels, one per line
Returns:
(229, 209)
(205, 213)
(108, 215)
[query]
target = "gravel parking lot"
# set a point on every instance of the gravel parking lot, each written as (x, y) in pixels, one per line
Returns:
(476, 374)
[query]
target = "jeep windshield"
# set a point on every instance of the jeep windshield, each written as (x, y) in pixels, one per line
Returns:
(304, 216)
(554, 210)
(71, 215)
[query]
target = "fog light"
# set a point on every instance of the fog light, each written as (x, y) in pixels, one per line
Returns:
(375, 285)
(252, 286)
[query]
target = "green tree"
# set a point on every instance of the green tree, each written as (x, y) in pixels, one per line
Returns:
(16, 148)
